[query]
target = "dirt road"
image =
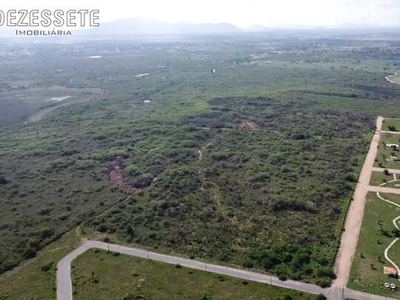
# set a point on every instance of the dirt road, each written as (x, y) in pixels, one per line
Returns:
(355, 214)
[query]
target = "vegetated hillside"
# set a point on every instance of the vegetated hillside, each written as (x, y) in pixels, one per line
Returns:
(266, 190)
(249, 165)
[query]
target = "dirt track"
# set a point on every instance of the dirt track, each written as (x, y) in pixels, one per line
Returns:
(355, 214)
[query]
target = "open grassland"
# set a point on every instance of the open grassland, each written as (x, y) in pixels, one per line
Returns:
(101, 275)
(244, 166)
(391, 125)
(379, 178)
(385, 152)
(377, 233)
(36, 278)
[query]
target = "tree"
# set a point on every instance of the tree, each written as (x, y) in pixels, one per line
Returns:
(29, 253)
(130, 231)
(102, 228)
(386, 172)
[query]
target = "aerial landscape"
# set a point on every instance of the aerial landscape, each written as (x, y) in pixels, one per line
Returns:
(200, 161)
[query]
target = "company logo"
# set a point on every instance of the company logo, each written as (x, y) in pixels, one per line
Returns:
(48, 22)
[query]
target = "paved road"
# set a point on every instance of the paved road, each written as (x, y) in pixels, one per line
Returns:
(355, 214)
(64, 284)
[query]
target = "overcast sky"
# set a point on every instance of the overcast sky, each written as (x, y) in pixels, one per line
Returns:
(242, 13)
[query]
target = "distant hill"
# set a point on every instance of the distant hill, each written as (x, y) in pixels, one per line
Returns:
(138, 26)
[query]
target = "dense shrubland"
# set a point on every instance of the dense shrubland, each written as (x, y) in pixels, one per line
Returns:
(280, 144)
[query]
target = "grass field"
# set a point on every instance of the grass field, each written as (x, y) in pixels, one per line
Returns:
(35, 279)
(391, 122)
(378, 178)
(101, 275)
(386, 152)
(376, 234)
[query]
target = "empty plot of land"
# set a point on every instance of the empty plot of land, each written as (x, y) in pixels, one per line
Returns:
(385, 179)
(152, 280)
(376, 235)
(389, 151)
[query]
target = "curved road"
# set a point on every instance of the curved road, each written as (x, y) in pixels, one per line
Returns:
(389, 78)
(396, 226)
(64, 283)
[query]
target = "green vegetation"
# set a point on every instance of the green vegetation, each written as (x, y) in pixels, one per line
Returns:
(251, 166)
(228, 185)
(387, 150)
(36, 279)
(377, 233)
(378, 178)
(391, 125)
(101, 275)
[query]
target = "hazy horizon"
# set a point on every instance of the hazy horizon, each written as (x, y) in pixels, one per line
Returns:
(240, 13)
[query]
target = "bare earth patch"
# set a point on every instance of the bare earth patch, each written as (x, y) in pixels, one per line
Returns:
(250, 125)
(116, 175)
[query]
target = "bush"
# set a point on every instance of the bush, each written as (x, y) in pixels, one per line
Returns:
(324, 283)
(143, 181)
(47, 267)
(132, 171)
(29, 253)
(34, 242)
(326, 272)
(248, 264)
(46, 232)
(282, 277)
(3, 180)
(102, 228)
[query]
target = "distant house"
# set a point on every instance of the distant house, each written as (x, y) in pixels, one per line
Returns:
(389, 271)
